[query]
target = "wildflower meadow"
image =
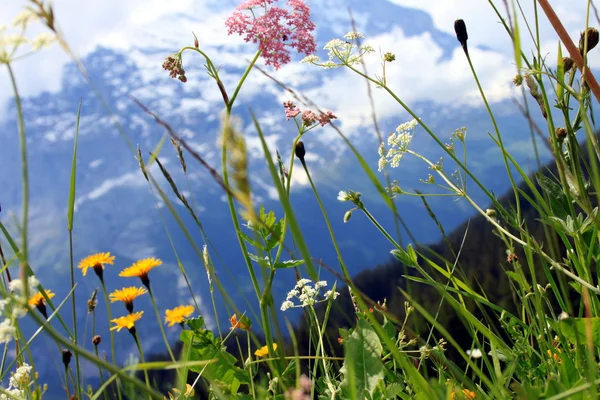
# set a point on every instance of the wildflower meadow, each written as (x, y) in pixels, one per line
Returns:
(541, 343)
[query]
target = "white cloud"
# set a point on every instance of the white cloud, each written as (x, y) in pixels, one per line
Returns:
(483, 24)
(417, 74)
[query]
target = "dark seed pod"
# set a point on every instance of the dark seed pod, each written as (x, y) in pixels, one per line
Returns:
(568, 63)
(66, 357)
(300, 151)
(592, 39)
(461, 33)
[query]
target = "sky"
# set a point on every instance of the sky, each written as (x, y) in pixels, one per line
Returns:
(127, 24)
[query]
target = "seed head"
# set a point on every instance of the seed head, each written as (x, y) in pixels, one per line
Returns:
(568, 63)
(66, 357)
(592, 39)
(518, 80)
(561, 134)
(461, 33)
(389, 57)
(300, 151)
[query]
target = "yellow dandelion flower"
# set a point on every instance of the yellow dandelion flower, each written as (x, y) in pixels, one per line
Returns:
(141, 268)
(39, 300)
(178, 314)
(127, 295)
(96, 261)
(466, 394)
(127, 321)
(264, 351)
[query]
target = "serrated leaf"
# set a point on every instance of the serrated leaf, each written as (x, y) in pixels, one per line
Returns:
(195, 324)
(275, 236)
(362, 369)
(576, 329)
(289, 263)
(222, 370)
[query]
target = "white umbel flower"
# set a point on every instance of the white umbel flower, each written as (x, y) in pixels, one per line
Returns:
(343, 196)
(475, 353)
(7, 331)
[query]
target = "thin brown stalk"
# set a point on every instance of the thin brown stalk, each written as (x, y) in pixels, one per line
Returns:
(573, 50)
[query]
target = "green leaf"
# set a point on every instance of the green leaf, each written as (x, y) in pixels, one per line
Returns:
(275, 236)
(251, 241)
(404, 257)
(517, 40)
(264, 261)
(558, 200)
(362, 367)
(222, 370)
(288, 264)
(560, 74)
(195, 324)
(575, 329)
(71, 208)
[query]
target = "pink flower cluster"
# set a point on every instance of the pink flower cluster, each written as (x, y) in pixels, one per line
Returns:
(308, 117)
(275, 30)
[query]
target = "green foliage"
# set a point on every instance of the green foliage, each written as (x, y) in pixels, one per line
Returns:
(362, 369)
(221, 371)
(579, 330)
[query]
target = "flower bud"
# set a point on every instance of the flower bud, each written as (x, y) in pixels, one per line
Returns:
(561, 134)
(96, 340)
(592, 39)
(196, 44)
(490, 212)
(389, 57)
(568, 63)
(518, 80)
(347, 216)
(461, 33)
(66, 357)
(300, 151)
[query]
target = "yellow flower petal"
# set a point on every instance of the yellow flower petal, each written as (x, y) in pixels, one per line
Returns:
(127, 321)
(38, 299)
(264, 351)
(95, 261)
(141, 268)
(178, 314)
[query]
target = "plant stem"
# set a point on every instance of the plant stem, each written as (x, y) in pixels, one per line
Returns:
(77, 384)
(112, 334)
(160, 325)
(139, 347)
(24, 177)
(334, 241)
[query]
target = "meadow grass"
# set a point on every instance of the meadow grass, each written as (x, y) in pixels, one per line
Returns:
(544, 345)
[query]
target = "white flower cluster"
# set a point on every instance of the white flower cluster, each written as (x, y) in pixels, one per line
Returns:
(342, 52)
(14, 307)
(10, 42)
(398, 142)
(18, 383)
(306, 294)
